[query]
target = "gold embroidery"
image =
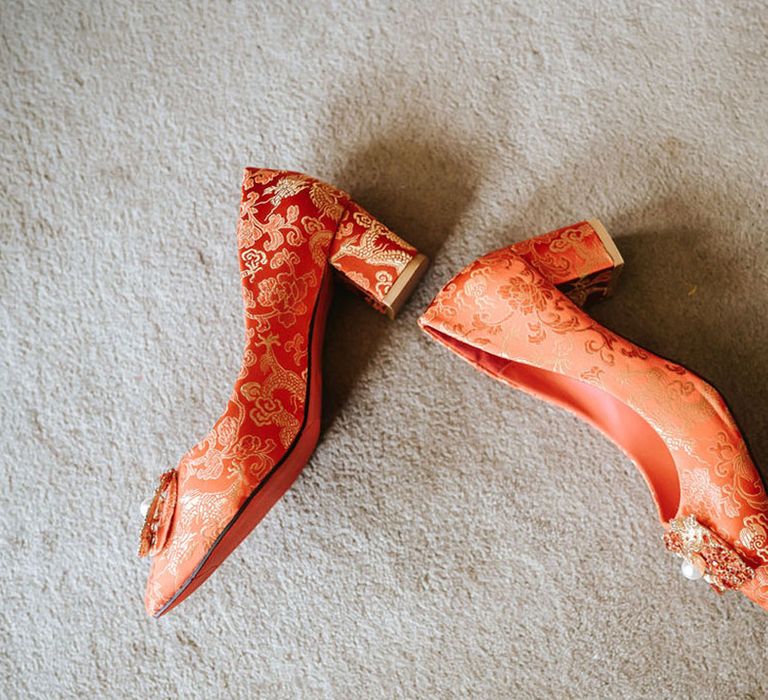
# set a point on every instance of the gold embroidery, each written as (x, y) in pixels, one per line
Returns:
(327, 200)
(754, 535)
(288, 186)
(743, 482)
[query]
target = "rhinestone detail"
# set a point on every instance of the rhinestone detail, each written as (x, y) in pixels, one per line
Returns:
(721, 566)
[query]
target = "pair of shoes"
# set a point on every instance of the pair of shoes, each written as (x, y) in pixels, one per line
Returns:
(515, 314)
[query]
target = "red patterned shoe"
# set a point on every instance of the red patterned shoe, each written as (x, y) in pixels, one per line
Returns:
(509, 314)
(292, 230)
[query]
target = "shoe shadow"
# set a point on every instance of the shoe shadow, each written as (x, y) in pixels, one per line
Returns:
(419, 187)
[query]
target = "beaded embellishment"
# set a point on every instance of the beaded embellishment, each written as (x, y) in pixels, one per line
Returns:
(706, 555)
(157, 521)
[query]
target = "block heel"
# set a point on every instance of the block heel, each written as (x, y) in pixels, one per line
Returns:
(375, 262)
(581, 260)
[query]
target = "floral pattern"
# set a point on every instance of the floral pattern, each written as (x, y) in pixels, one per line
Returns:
(580, 260)
(290, 228)
(505, 306)
(754, 535)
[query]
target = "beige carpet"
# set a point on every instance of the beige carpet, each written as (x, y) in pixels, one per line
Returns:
(450, 538)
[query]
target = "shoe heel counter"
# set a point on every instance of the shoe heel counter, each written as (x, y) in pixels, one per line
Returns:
(375, 262)
(582, 260)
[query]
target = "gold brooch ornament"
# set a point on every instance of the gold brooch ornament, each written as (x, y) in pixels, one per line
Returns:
(157, 515)
(706, 555)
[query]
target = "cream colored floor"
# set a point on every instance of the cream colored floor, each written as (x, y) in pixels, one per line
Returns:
(450, 538)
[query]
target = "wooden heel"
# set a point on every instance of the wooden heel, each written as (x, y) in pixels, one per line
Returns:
(375, 262)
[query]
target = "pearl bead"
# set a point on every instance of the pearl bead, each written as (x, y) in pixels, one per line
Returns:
(691, 571)
(145, 504)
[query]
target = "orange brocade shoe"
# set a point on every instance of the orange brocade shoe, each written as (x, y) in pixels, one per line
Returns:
(290, 228)
(515, 314)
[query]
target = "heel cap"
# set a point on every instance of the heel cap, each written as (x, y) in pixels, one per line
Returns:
(617, 261)
(404, 285)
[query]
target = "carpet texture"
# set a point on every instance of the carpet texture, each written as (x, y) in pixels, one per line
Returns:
(450, 537)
